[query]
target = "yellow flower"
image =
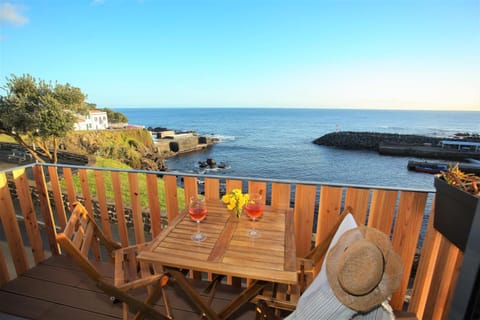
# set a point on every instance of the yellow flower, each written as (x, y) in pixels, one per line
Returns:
(235, 200)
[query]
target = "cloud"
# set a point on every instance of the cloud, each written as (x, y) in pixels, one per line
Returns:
(12, 14)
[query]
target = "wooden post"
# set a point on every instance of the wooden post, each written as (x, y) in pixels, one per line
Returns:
(30, 218)
(10, 227)
(46, 208)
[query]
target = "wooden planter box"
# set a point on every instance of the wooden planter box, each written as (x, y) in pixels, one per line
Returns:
(454, 212)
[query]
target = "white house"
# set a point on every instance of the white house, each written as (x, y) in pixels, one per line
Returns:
(95, 120)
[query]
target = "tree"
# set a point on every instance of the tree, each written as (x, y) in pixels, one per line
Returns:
(37, 114)
(72, 97)
(115, 117)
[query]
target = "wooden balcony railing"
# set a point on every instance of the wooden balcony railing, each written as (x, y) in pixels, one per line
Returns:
(35, 199)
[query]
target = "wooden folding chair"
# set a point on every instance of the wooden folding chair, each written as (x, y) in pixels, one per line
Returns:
(82, 236)
(276, 298)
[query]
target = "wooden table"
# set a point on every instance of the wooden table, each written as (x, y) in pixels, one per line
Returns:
(228, 250)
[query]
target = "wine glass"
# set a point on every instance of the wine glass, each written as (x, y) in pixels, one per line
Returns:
(198, 211)
(254, 209)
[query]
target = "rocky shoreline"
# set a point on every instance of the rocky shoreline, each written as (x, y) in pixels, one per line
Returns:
(150, 153)
(398, 144)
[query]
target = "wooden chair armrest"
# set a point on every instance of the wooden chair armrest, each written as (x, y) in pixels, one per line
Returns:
(132, 302)
(124, 250)
(139, 247)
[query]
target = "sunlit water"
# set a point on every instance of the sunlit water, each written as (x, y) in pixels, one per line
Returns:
(277, 143)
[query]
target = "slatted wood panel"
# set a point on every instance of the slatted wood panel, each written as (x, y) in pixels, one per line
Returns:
(154, 204)
(102, 202)
(119, 209)
(10, 227)
(437, 275)
(28, 212)
(171, 196)
(258, 187)
(82, 173)
(57, 197)
(212, 188)
(382, 210)
(233, 184)
(394, 212)
(328, 211)
(135, 203)
(358, 199)
(281, 193)
(425, 271)
(453, 262)
(68, 178)
(190, 186)
(303, 217)
(405, 237)
(46, 208)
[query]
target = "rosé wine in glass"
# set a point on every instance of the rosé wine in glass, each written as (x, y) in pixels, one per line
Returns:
(197, 214)
(197, 210)
(254, 209)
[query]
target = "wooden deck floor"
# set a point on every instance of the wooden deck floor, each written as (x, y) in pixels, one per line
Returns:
(57, 289)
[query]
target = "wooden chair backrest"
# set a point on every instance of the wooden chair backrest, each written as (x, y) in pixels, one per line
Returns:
(80, 236)
(286, 297)
(314, 259)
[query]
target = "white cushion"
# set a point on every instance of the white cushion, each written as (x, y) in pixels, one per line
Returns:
(319, 301)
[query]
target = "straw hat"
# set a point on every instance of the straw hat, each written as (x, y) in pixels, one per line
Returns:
(363, 269)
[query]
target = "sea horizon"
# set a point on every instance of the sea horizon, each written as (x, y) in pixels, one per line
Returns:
(405, 108)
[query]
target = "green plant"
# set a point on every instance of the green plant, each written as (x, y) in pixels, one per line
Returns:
(468, 182)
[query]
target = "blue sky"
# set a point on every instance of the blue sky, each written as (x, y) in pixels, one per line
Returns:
(269, 53)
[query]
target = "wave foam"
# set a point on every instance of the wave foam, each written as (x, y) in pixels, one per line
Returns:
(220, 137)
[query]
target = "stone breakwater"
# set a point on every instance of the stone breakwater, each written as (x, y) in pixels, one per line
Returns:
(372, 140)
(406, 145)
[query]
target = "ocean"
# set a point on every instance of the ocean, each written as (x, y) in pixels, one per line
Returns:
(277, 143)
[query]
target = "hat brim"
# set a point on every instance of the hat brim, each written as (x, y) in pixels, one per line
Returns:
(392, 275)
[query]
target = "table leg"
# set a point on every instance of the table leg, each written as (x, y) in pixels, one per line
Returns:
(244, 297)
(193, 294)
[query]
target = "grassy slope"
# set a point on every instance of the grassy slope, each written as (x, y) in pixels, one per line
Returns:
(117, 143)
(114, 164)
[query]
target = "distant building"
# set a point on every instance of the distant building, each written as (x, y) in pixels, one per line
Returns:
(94, 120)
(164, 134)
(81, 124)
(465, 146)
